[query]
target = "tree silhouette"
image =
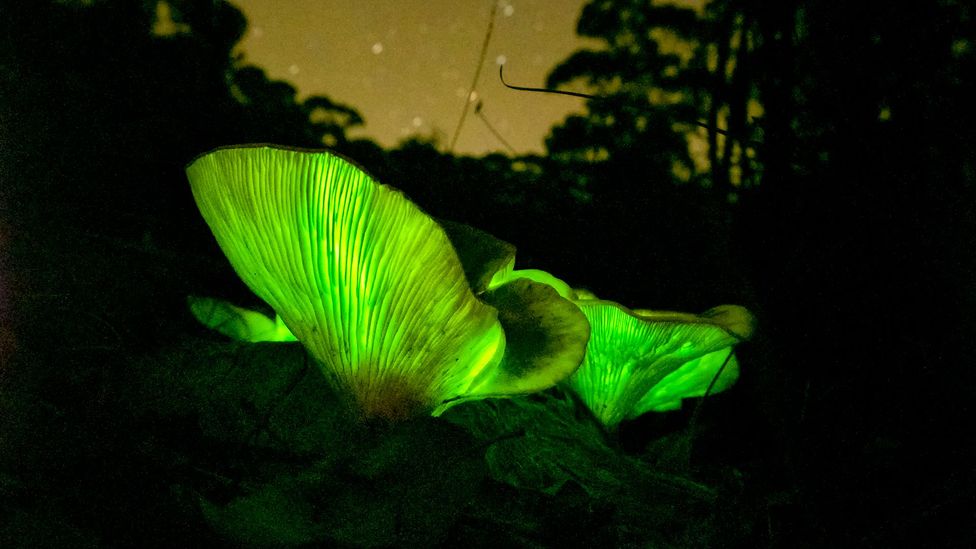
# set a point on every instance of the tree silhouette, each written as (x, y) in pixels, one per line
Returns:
(864, 221)
(667, 78)
(107, 101)
(271, 113)
(630, 151)
(642, 96)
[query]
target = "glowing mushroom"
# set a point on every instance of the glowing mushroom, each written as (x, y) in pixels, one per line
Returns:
(237, 322)
(641, 361)
(372, 286)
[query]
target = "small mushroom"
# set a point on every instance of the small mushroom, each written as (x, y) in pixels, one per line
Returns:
(641, 361)
(237, 322)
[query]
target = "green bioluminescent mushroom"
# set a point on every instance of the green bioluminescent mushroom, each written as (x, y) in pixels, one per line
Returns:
(371, 285)
(641, 361)
(237, 322)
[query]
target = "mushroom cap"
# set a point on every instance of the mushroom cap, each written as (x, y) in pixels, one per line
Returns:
(583, 294)
(546, 335)
(545, 332)
(638, 361)
(536, 275)
(363, 278)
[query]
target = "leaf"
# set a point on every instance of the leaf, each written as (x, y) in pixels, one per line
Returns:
(540, 443)
(529, 463)
(428, 470)
(270, 516)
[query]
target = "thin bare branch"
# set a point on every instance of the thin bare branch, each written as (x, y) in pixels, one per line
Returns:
(477, 74)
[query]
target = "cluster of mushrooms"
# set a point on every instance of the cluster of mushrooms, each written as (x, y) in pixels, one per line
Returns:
(408, 315)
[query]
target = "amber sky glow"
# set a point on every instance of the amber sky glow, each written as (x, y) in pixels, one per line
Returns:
(406, 64)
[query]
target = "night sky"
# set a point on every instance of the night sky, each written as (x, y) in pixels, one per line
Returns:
(406, 65)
